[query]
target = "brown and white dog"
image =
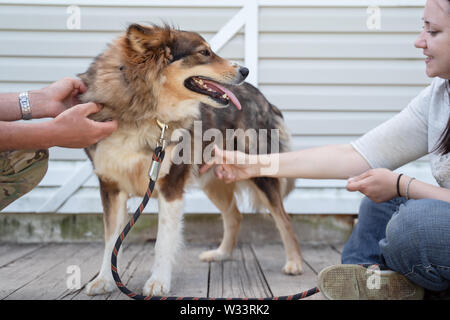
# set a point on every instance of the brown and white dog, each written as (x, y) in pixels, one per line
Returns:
(153, 72)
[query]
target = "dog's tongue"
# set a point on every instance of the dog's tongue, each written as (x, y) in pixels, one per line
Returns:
(225, 90)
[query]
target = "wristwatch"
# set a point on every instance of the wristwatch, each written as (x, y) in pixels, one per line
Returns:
(25, 107)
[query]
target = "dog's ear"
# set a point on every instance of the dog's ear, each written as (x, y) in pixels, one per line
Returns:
(149, 40)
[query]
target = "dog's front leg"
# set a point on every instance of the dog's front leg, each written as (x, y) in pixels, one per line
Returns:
(114, 219)
(168, 240)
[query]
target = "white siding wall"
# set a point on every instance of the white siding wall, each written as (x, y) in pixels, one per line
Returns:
(333, 78)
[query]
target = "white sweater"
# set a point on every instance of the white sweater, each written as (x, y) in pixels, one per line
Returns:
(412, 133)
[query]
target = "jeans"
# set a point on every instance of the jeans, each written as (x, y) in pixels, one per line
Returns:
(411, 237)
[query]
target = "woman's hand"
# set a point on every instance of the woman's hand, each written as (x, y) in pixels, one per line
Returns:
(232, 166)
(379, 185)
(56, 98)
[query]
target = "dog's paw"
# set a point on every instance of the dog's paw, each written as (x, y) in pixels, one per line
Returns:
(100, 286)
(293, 267)
(156, 287)
(214, 255)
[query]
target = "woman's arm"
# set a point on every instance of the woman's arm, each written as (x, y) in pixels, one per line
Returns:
(327, 162)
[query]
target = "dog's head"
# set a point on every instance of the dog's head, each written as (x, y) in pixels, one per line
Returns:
(160, 69)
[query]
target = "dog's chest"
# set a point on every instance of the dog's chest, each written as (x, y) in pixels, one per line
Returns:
(125, 158)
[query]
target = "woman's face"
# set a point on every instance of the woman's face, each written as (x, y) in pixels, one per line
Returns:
(435, 38)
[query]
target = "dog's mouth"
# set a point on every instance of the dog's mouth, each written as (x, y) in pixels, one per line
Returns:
(212, 89)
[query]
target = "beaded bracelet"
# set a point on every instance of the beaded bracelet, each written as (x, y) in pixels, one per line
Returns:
(407, 187)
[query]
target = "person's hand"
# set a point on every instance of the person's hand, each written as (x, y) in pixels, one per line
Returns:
(56, 98)
(379, 185)
(73, 128)
(231, 166)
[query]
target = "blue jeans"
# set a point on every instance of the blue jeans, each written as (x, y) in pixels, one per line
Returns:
(411, 237)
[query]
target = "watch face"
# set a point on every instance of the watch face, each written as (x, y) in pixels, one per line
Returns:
(25, 107)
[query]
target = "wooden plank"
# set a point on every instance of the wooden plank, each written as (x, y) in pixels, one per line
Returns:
(271, 259)
(190, 274)
(126, 260)
(319, 257)
(13, 251)
(89, 269)
(134, 269)
(238, 277)
(32, 267)
(338, 247)
(53, 284)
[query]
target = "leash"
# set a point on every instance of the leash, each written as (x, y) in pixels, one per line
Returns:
(157, 159)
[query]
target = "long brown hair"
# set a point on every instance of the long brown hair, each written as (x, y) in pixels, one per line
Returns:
(443, 147)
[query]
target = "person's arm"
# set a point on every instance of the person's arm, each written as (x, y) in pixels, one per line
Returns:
(380, 185)
(327, 162)
(70, 129)
(47, 102)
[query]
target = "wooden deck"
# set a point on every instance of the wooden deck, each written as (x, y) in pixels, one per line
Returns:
(39, 271)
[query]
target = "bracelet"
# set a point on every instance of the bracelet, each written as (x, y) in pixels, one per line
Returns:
(25, 107)
(398, 184)
(407, 187)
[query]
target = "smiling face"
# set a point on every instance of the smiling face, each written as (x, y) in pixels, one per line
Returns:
(435, 38)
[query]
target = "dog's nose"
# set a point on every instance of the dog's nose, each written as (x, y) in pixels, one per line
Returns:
(244, 72)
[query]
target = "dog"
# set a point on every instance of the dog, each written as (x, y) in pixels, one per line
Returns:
(151, 73)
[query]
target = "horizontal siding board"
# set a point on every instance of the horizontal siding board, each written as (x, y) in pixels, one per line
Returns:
(334, 123)
(342, 98)
(342, 72)
(94, 18)
(294, 19)
(338, 46)
(271, 71)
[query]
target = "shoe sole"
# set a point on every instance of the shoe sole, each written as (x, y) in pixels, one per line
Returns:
(354, 282)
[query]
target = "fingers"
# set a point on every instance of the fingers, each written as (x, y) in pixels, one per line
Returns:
(77, 84)
(360, 185)
(216, 159)
(89, 108)
(106, 128)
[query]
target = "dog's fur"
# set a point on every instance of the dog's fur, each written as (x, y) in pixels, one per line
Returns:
(140, 78)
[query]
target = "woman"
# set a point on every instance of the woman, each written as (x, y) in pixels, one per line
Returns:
(403, 223)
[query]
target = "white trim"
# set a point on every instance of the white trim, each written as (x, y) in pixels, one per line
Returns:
(67, 189)
(251, 41)
(228, 30)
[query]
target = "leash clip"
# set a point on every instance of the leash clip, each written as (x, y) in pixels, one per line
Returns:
(162, 142)
(156, 165)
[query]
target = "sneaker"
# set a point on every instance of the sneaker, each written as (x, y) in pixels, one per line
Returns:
(355, 282)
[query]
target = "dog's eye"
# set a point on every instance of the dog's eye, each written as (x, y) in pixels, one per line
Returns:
(205, 53)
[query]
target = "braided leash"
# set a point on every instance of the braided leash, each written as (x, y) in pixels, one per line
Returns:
(158, 156)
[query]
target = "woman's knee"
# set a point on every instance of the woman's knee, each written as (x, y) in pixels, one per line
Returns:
(418, 237)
